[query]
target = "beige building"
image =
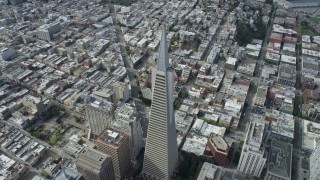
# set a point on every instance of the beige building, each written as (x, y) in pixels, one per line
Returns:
(121, 91)
(95, 165)
(99, 113)
(116, 144)
(34, 104)
(261, 96)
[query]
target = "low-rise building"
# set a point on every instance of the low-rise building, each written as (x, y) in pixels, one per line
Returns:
(279, 161)
(219, 149)
(287, 75)
(209, 172)
(282, 128)
(310, 136)
(315, 163)
(34, 104)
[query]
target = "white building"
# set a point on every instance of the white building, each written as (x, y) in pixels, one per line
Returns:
(46, 31)
(283, 128)
(310, 136)
(121, 91)
(233, 105)
(315, 163)
(99, 113)
(209, 172)
(34, 104)
(253, 160)
(161, 152)
(126, 121)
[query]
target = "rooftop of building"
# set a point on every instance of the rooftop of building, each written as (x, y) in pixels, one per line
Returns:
(283, 125)
(311, 133)
(280, 158)
(219, 142)
(67, 173)
(33, 99)
(255, 134)
(210, 171)
(112, 136)
(125, 110)
(97, 102)
(93, 155)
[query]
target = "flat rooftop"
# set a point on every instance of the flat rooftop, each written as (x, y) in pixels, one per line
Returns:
(280, 158)
(93, 155)
(219, 142)
(111, 136)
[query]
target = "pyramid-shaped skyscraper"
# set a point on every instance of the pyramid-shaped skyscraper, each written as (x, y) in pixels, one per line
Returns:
(161, 151)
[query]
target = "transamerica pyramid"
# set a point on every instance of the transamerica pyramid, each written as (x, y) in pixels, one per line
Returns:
(161, 151)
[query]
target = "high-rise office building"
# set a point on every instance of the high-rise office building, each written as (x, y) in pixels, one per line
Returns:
(95, 165)
(253, 157)
(99, 113)
(315, 163)
(116, 144)
(161, 152)
(125, 120)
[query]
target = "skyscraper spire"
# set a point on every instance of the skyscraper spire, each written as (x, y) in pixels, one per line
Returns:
(163, 62)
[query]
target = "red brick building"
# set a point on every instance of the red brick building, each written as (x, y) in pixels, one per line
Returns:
(218, 148)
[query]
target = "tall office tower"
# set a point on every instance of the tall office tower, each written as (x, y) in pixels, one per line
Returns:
(99, 113)
(161, 152)
(116, 143)
(95, 165)
(315, 163)
(253, 158)
(125, 120)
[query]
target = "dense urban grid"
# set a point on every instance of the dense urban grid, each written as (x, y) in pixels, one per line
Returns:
(157, 89)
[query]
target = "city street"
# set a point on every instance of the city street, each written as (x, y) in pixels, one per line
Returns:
(245, 121)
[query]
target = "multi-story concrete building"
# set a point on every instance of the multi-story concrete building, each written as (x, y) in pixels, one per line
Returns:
(218, 148)
(282, 128)
(260, 98)
(95, 165)
(279, 161)
(315, 163)
(4, 112)
(117, 145)
(33, 104)
(7, 53)
(46, 31)
(210, 172)
(121, 91)
(82, 44)
(287, 75)
(161, 152)
(253, 158)
(125, 120)
(99, 113)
